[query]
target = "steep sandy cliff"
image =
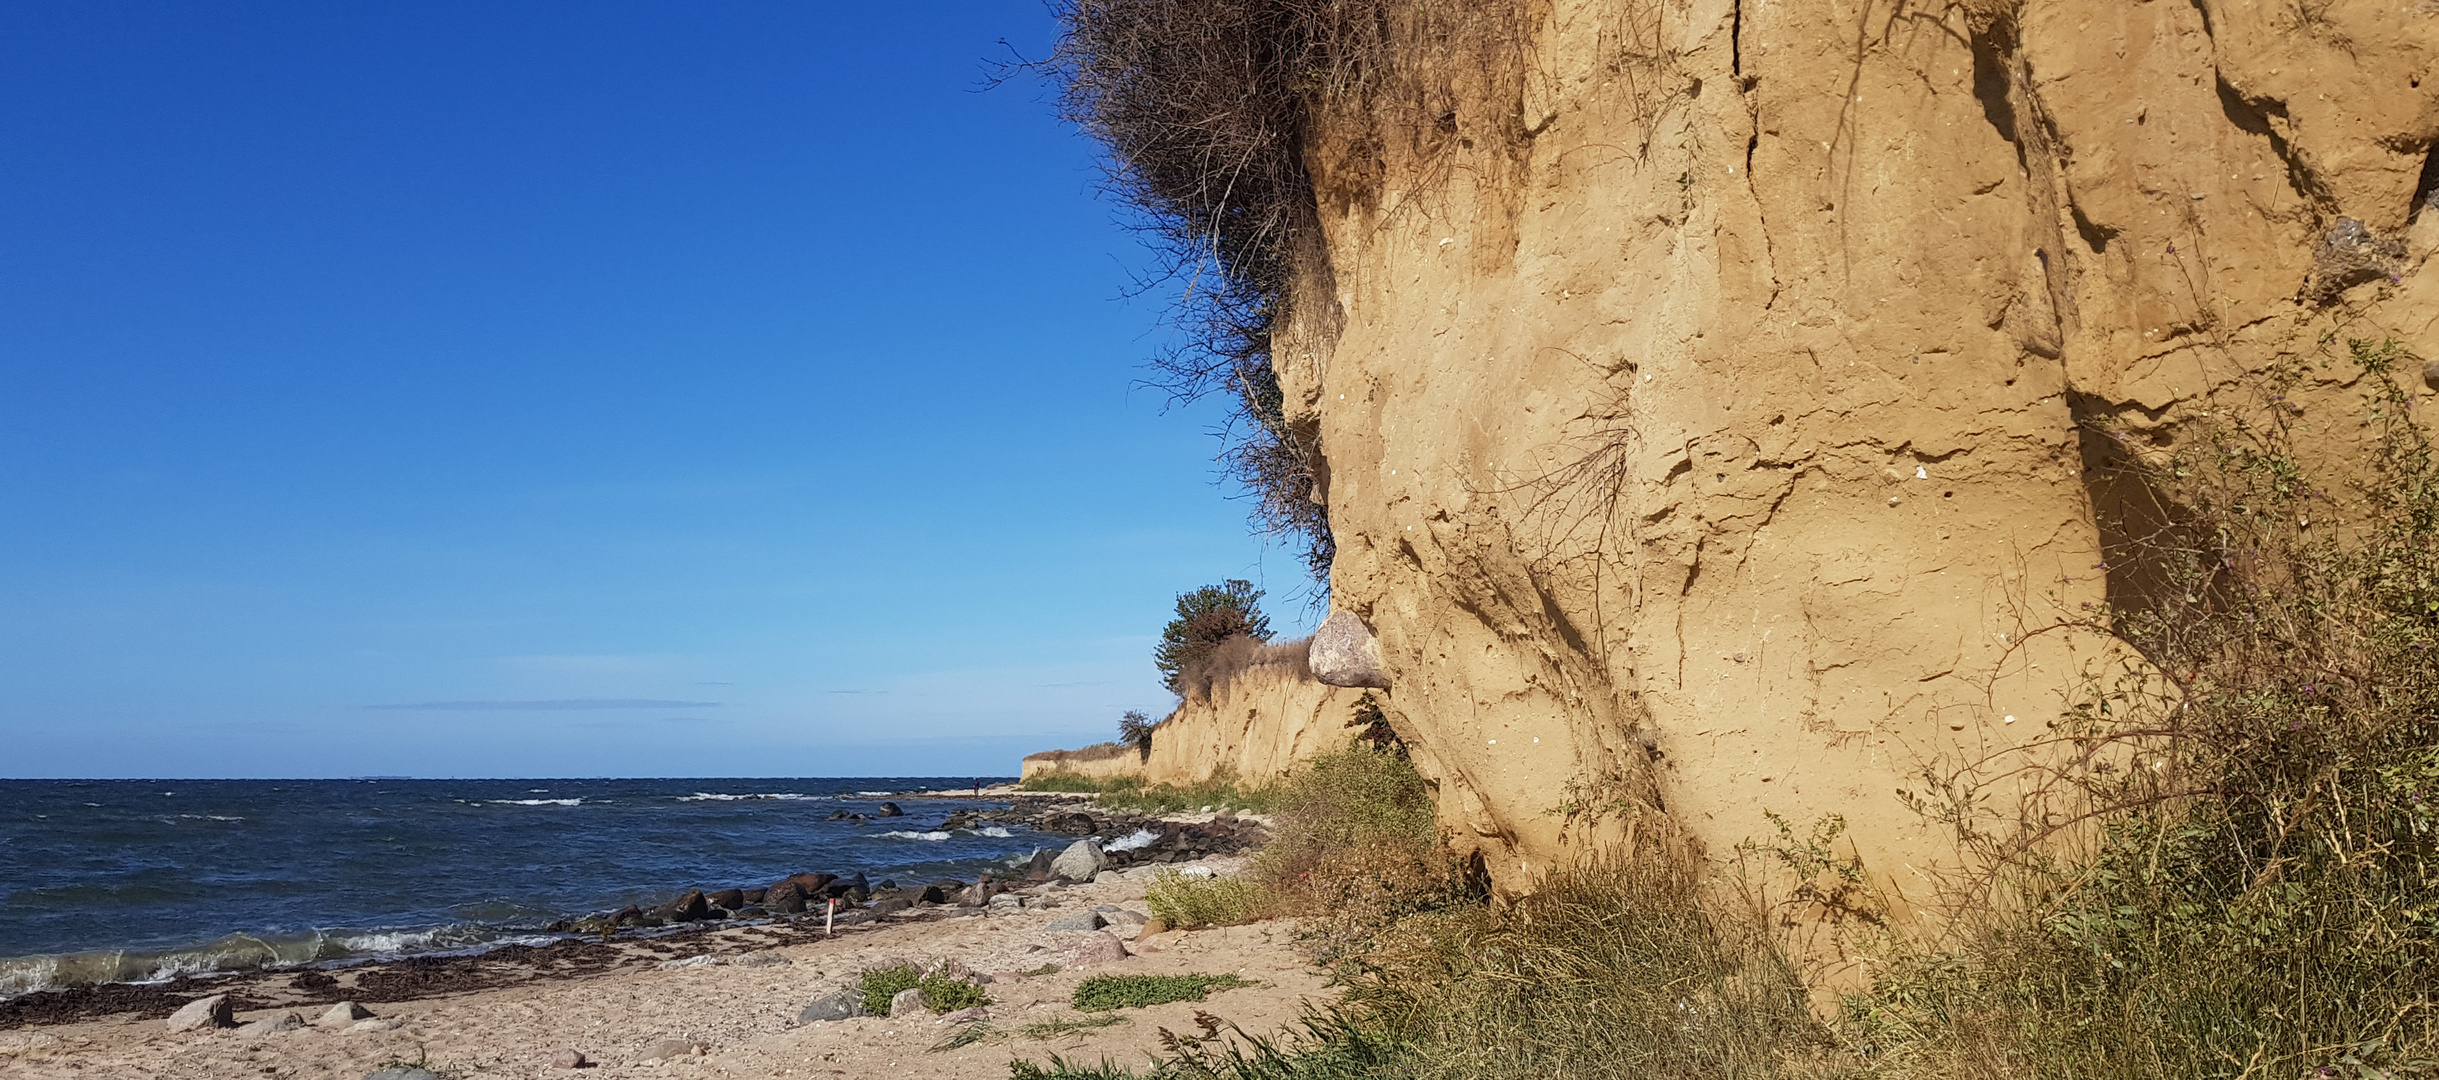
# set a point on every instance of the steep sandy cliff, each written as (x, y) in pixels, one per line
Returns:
(1253, 725)
(1715, 410)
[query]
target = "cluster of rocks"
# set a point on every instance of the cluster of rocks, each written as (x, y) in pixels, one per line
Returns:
(216, 1011)
(1173, 842)
(1136, 841)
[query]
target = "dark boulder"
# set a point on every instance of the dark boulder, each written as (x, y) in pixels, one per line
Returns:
(732, 899)
(754, 896)
(889, 809)
(687, 908)
(627, 916)
(843, 886)
(786, 898)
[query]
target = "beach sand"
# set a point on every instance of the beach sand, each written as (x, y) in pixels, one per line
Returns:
(743, 1017)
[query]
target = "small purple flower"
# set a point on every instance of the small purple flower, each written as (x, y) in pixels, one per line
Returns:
(2307, 688)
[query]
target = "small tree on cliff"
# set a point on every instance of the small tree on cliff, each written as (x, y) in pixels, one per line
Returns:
(1205, 618)
(1135, 729)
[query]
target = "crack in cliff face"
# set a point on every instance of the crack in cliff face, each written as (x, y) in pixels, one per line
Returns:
(2261, 117)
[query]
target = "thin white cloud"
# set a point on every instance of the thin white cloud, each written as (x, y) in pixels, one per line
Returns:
(549, 705)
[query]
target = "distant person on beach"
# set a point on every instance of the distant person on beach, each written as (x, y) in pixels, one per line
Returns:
(978, 787)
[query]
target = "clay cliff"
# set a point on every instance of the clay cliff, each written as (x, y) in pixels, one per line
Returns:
(1252, 724)
(1704, 423)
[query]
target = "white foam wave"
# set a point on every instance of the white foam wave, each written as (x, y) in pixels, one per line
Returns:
(382, 942)
(933, 835)
(536, 802)
(1139, 838)
(996, 831)
(713, 796)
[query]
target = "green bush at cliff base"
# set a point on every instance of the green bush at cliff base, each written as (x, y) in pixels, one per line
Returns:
(1355, 845)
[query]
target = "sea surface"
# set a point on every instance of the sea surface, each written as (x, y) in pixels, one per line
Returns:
(138, 880)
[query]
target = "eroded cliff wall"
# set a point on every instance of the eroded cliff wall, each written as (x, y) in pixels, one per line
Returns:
(1719, 406)
(1252, 725)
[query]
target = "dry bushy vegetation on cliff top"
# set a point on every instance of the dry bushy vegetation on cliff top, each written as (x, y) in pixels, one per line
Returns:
(1214, 114)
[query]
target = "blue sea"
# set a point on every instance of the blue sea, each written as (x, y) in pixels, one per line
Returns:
(137, 880)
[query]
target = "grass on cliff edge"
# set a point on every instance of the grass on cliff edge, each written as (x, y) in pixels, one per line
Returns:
(1130, 793)
(2251, 888)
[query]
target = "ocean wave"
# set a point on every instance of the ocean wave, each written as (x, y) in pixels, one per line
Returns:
(997, 832)
(536, 802)
(247, 952)
(208, 817)
(1132, 841)
(713, 796)
(932, 835)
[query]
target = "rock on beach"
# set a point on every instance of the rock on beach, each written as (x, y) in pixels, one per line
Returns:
(206, 1012)
(838, 1006)
(1080, 861)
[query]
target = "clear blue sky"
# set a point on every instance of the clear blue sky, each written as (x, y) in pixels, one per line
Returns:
(587, 388)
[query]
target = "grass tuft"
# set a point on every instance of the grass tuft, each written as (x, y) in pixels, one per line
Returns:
(1185, 903)
(1102, 993)
(941, 993)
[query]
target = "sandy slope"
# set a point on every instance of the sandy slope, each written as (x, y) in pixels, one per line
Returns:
(744, 1017)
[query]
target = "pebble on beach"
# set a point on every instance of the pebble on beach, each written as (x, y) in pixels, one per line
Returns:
(570, 1059)
(269, 1025)
(668, 1050)
(346, 1012)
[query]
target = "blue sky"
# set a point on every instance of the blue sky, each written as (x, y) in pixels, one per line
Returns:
(706, 389)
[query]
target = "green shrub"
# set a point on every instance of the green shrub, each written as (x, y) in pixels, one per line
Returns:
(1101, 993)
(1355, 841)
(1207, 618)
(941, 993)
(1185, 902)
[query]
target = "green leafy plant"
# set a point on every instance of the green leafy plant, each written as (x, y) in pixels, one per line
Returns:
(941, 993)
(1102, 993)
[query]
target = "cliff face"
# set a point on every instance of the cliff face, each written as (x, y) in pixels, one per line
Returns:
(1716, 412)
(1254, 726)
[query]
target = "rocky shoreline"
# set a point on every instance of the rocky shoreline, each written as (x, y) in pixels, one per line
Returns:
(793, 909)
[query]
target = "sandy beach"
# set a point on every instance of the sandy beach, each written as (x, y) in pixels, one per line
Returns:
(741, 1017)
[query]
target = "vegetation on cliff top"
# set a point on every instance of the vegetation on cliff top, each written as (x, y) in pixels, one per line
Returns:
(1207, 618)
(1214, 113)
